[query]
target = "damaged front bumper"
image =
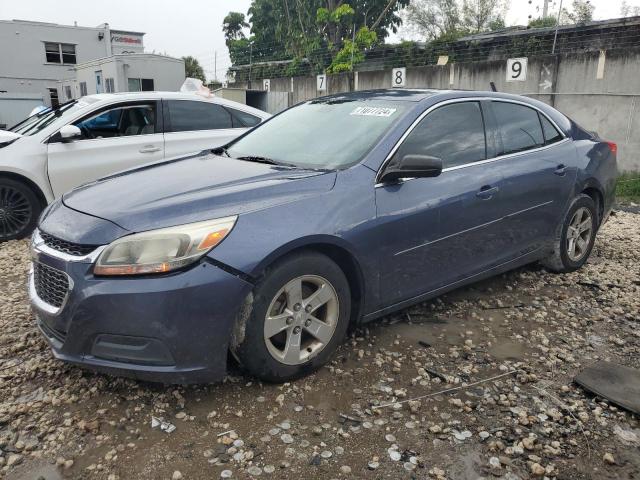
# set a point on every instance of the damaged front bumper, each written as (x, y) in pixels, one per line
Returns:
(172, 328)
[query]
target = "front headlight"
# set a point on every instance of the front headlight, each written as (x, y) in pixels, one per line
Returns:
(159, 251)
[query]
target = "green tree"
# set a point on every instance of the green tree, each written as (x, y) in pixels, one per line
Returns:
(542, 22)
(452, 19)
(581, 12)
(233, 25)
(480, 15)
(627, 10)
(434, 18)
(317, 30)
(193, 69)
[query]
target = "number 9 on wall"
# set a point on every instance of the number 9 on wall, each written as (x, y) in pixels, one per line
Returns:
(399, 77)
(517, 69)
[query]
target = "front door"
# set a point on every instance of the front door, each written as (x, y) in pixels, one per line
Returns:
(115, 138)
(437, 231)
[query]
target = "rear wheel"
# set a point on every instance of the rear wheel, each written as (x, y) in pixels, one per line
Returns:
(575, 237)
(19, 209)
(299, 317)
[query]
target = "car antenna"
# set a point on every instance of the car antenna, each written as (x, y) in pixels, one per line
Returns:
(493, 87)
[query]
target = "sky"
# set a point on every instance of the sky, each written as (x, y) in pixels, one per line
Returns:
(195, 27)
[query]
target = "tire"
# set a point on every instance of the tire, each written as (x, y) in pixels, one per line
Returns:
(583, 211)
(268, 348)
(19, 210)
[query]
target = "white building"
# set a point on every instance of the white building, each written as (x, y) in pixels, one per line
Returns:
(133, 72)
(39, 60)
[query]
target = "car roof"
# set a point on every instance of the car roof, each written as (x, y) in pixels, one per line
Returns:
(105, 98)
(417, 94)
(399, 94)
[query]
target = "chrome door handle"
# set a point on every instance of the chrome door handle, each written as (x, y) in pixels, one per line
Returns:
(149, 149)
(561, 170)
(487, 192)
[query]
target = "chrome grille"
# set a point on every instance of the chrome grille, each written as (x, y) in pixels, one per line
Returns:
(66, 247)
(52, 286)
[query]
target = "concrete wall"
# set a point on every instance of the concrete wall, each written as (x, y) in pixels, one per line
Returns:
(604, 99)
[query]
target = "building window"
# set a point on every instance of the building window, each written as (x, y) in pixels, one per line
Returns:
(53, 93)
(60, 53)
(109, 85)
(83, 89)
(140, 84)
(67, 92)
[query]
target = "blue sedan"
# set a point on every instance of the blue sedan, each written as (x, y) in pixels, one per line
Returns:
(337, 211)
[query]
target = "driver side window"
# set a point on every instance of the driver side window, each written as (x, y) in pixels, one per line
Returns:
(123, 121)
(454, 133)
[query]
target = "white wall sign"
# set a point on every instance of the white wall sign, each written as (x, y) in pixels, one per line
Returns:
(321, 83)
(266, 85)
(399, 77)
(517, 69)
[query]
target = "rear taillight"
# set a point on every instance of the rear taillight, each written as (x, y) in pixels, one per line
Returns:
(613, 147)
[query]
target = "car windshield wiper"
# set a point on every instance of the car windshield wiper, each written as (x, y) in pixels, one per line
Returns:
(268, 161)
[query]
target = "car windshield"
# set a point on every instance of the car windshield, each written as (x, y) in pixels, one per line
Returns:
(38, 122)
(322, 134)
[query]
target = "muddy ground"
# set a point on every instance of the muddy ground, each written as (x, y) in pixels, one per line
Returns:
(536, 329)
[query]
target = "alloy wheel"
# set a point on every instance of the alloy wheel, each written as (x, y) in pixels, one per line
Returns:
(579, 234)
(301, 319)
(15, 211)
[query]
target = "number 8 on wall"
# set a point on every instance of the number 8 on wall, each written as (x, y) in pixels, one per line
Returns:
(399, 77)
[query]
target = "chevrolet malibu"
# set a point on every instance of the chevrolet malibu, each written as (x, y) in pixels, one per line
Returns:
(337, 211)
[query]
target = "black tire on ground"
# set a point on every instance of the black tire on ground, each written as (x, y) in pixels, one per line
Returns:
(253, 351)
(19, 209)
(560, 261)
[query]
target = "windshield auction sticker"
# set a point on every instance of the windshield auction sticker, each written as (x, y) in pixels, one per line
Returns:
(373, 111)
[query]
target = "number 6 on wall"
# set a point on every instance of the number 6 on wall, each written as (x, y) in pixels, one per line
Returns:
(517, 69)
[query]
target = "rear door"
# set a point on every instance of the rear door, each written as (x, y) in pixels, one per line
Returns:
(117, 137)
(193, 126)
(540, 172)
(437, 231)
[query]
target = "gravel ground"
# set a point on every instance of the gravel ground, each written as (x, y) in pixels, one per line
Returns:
(346, 421)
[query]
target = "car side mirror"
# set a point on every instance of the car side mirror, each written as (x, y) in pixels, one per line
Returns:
(69, 133)
(414, 166)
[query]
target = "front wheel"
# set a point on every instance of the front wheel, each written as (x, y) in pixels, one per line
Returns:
(299, 316)
(19, 210)
(575, 236)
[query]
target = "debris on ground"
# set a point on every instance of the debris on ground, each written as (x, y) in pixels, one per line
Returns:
(492, 397)
(616, 383)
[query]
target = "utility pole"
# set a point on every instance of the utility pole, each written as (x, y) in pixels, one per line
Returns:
(215, 66)
(555, 35)
(545, 9)
(250, 64)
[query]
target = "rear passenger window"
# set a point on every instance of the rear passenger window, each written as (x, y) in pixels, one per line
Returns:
(551, 134)
(185, 116)
(454, 133)
(519, 126)
(243, 119)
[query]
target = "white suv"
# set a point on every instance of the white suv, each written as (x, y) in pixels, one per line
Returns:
(56, 150)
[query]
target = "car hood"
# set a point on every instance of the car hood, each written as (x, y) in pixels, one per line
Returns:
(8, 137)
(192, 189)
